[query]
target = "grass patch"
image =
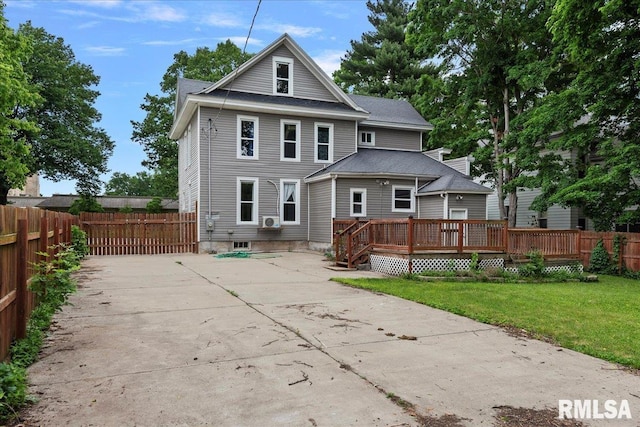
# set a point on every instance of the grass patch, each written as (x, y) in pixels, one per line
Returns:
(599, 319)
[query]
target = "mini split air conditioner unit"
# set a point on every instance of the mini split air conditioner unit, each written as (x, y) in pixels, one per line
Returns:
(270, 222)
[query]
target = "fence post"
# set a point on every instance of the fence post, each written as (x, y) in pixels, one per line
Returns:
(505, 236)
(349, 250)
(56, 234)
(22, 243)
(410, 234)
(460, 236)
(44, 237)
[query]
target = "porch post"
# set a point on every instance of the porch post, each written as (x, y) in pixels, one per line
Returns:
(349, 250)
(410, 242)
(460, 236)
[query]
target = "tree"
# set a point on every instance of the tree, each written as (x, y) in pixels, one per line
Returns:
(85, 203)
(602, 40)
(152, 132)
(496, 61)
(16, 95)
(382, 64)
(154, 205)
(68, 144)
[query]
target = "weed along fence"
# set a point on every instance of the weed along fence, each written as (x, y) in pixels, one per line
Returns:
(402, 244)
(624, 248)
(139, 234)
(24, 232)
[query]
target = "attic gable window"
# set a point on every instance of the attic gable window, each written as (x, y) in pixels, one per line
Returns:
(282, 76)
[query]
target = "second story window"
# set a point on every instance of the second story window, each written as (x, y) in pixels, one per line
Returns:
(323, 143)
(282, 76)
(367, 138)
(247, 137)
(290, 140)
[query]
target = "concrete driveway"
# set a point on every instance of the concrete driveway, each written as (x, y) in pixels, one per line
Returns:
(269, 341)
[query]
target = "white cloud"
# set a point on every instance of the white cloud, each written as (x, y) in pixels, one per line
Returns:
(329, 60)
(105, 4)
(105, 50)
(88, 24)
(222, 20)
(169, 42)
(161, 12)
(132, 12)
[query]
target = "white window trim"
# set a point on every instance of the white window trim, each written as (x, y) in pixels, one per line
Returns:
(364, 202)
(393, 198)
(254, 212)
(282, 59)
(297, 183)
(256, 128)
(298, 132)
(316, 143)
(365, 144)
(465, 210)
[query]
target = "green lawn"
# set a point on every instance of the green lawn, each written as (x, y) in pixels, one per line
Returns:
(601, 319)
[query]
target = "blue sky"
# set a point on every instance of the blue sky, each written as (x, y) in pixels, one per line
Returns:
(130, 45)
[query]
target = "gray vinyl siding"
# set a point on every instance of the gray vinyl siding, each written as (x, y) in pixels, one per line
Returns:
(268, 167)
(557, 216)
(188, 181)
(259, 79)
(379, 197)
(431, 207)
(461, 164)
(475, 204)
(320, 211)
(395, 138)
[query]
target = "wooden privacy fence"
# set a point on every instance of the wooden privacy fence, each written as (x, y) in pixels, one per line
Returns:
(140, 233)
(629, 249)
(23, 233)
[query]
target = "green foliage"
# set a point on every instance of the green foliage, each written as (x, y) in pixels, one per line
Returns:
(474, 266)
(599, 261)
(79, 242)
(535, 267)
(13, 389)
(85, 203)
(52, 284)
(152, 131)
(155, 183)
(18, 93)
(495, 66)
(125, 209)
(381, 63)
(69, 144)
(155, 205)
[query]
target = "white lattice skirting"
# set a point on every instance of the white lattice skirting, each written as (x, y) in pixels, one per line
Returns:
(395, 266)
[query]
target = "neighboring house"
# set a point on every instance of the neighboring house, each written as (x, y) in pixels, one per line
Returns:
(274, 151)
(62, 203)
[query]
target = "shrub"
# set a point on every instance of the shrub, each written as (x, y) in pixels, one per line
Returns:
(79, 242)
(13, 389)
(599, 261)
(85, 204)
(155, 205)
(535, 266)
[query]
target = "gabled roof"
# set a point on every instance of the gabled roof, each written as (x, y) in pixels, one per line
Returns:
(300, 55)
(391, 113)
(383, 162)
(452, 183)
(185, 87)
(189, 96)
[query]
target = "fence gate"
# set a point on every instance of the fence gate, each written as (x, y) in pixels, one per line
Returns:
(140, 233)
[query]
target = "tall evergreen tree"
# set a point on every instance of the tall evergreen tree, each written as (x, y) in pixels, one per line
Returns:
(152, 132)
(381, 63)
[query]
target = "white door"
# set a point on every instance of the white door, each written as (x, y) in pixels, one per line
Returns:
(458, 214)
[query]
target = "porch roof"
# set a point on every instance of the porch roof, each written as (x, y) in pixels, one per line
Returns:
(452, 183)
(378, 162)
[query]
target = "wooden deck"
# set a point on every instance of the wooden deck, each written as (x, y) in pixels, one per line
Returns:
(354, 240)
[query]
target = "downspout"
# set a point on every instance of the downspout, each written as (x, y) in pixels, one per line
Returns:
(209, 230)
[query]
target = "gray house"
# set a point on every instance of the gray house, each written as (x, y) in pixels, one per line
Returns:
(274, 151)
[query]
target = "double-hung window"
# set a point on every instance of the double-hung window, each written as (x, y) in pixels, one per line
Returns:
(358, 202)
(282, 76)
(290, 204)
(247, 201)
(290, 140)
(323, 136)
(247, 137)
(403, 200)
